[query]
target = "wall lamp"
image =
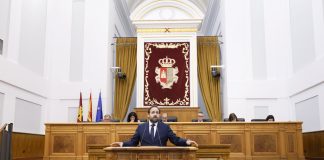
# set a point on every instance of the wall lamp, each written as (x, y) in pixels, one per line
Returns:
(214, 71)
(118, 72)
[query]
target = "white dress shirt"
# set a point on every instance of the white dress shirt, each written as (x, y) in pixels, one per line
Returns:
(150, 126)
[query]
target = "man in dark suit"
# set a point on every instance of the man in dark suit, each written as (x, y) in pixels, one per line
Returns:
(164, 117)
(154, 133)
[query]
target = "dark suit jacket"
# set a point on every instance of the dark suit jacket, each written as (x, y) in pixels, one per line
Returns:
(163, 133)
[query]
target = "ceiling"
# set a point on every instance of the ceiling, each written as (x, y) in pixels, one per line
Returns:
(209, 8)
(201, 4)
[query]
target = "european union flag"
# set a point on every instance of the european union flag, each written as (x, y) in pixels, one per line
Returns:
(99, 110)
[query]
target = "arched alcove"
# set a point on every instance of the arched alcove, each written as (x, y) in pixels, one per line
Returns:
(187, 9)
(167, 14)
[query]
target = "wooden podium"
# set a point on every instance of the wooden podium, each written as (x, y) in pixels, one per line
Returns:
(150, 153)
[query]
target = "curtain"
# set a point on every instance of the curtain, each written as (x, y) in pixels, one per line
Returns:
(127, 60)
(209, 54)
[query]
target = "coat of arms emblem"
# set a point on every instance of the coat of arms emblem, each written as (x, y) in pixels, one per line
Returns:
(166, 75)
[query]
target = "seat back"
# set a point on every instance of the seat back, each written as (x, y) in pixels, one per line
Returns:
(207, 120)
(172, 119)
(258, 120)
(143, 120)
(115, 120)
(241, 119)
(238, 119)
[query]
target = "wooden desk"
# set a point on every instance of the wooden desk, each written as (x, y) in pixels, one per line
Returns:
(248, 140)
(150, 153)
(96, 152)
(215, 151)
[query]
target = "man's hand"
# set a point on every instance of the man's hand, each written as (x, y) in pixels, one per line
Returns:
(192, 143)
(117, 144)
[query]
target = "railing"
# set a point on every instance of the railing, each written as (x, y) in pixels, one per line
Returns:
(5, 141)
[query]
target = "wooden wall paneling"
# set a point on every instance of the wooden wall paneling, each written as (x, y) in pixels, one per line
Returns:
(64, 143)
(79, 142)
(314, 144)
(300, 148)
(248, 146)
(265, 143)
(27, 146)
(95, 135)
(48, 145)
(125, 132)
(199, 133)
(291, 142)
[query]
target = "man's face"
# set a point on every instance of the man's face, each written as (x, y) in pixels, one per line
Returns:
(154, 114)
(200, 116)
(164, 117)
(107, 118)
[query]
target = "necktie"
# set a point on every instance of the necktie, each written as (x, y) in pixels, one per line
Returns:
(152, 131)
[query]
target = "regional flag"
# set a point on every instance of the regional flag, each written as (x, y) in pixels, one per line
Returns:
(89, 119)
(99, 110)
(80, 112)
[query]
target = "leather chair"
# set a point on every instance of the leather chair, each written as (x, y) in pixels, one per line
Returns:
(258, 120)
(172, 119)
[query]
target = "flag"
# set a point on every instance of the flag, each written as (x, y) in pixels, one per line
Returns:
(80, 112)
(99, 110)
(89, 119)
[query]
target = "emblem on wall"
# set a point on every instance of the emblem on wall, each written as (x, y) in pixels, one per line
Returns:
(166, 75)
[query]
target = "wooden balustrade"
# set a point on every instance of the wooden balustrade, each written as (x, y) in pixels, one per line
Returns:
(255, 140)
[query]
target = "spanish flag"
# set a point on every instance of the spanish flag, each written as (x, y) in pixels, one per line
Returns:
(90, 109)
(80, 112)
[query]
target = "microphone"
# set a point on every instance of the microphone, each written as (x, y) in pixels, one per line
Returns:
(157, 130)
(143, 135)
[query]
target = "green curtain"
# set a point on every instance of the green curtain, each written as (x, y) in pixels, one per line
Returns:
(126, 59)
(209, 54)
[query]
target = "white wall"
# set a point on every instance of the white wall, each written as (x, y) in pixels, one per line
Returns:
(302, 33)
(12, 109)
(1, 106)
(28, 116)
(4, 22)
(32, 35)
(77, 40)
(279, 70)
(258, 40)
(96, 56)
(308, 111)
(273, 56)
(44, 81)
